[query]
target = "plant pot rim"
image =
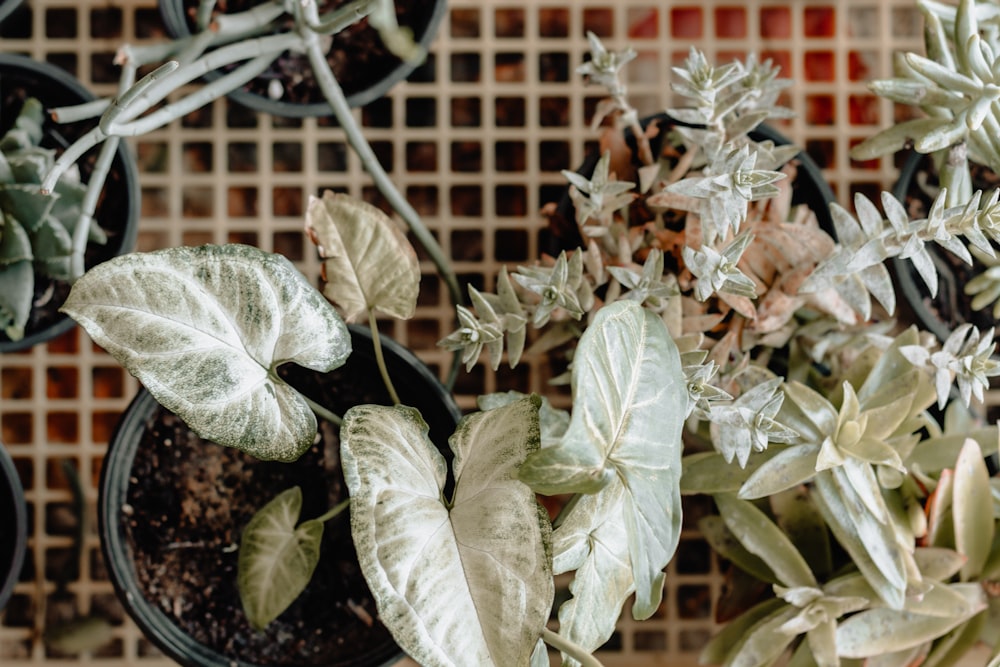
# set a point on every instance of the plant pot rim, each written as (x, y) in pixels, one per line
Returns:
(114, 482)
(14, 495)
(172, 13)
(124, 163)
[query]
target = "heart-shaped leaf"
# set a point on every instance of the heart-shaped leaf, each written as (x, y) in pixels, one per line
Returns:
(461, 583)
(204, 329)
(277, 558)
(369, 264)
(624, 440)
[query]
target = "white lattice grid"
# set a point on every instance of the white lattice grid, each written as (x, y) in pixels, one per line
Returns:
(500, 112)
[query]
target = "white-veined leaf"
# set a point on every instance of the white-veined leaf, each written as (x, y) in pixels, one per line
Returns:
(277, 558)
(369, 263)
(204, 329)
(630, 399)
(468, 582)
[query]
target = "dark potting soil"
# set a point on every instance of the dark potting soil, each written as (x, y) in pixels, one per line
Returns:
(188, 502)
(356, 55)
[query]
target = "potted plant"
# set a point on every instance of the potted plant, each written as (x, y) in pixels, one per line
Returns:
(952, 163)
(719, 313)
(834, 481)
(49, 240)
(363, 64)
(237, 48)
(13, 526)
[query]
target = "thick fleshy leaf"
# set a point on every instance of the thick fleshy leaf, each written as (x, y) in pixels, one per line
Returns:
(722, 540)
(761, 537)
(368, 262)
(277, 558)
(468, 582)
(877, 631)
(972, 509)
(708, 473)
(629, 402)
(17, 282)
(734, 633)
(786, 470)
(204, 329)
(871, 544)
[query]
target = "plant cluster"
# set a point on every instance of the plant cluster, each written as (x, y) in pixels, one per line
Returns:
(953, 85)
(40, 233)
(827, 465)
(848, 472)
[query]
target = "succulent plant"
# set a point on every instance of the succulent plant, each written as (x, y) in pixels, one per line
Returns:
(43, 234)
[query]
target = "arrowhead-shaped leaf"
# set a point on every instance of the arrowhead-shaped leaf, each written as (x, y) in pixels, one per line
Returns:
(277, 559)
(624, 439)
(369, 264)
(461, 583)
(204, 329)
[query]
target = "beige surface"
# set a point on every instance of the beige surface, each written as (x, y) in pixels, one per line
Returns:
(499, 114)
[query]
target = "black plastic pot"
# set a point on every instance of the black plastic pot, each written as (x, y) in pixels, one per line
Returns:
(118, 209)
(810, 187)
(13, 526)
(949, 309)
(415, 383)
(377, 80)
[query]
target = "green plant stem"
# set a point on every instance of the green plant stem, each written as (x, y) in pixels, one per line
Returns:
(321, 412)
(380, 359)
(573, 650)
(342, 111)
(334, 511)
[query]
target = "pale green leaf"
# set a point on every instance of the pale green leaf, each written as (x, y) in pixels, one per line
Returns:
(937, 563)
(629, 402)
(368, 262)
(592, 540)
(799, 519)
(277, 558)
(736, 632)
(460, 583)
(972, 510)
(708, 473)
(878, 631)
(761, 537)
(789, 468)
(960, 643)
(871, 544)
(17, 282)
(204, 329)
(722, 540)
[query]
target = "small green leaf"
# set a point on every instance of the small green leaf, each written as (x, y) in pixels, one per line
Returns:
(369, 263)
(277, 558)
(204, 329)
(972, 509)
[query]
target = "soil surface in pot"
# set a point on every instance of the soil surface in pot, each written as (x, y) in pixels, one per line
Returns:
(356, 55)
(188, 502)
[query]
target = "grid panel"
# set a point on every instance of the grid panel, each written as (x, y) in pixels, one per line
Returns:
(476, 140)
